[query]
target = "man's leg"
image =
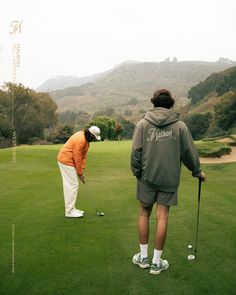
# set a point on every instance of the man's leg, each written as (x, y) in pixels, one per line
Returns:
(141, 258)
(162, 214)
(143, 222)
(70, 186)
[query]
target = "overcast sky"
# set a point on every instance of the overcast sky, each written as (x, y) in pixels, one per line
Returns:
(83, 37)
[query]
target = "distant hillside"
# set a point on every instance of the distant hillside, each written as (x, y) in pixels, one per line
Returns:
(61, 82)
(129, 86)
(212, 111)
(217, 83)
(208, 93)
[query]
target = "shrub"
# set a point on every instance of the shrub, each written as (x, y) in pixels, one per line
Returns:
(4, 142)
(61, 134)
(33, 140)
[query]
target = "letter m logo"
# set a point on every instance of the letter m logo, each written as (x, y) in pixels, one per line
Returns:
(16, 26)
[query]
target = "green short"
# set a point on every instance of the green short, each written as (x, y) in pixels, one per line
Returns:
(150, 195)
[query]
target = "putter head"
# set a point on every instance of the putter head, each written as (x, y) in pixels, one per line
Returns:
(99, 213)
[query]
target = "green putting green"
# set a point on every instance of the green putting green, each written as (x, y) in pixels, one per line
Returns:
(56, 256)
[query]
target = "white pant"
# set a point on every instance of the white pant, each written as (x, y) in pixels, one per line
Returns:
(70, 185)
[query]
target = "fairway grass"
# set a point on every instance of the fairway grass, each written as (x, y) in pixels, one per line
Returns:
(57, 256)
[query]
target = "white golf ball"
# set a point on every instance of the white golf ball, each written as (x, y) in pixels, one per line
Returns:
(190, 246)
(191, 257)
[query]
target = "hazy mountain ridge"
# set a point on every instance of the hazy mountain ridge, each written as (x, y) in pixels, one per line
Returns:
(137, 80)
(62, 82)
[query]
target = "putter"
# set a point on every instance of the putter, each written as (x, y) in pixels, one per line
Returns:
(193, 257)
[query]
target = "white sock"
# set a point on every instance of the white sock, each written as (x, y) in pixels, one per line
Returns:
(156, 256)
(144, 250)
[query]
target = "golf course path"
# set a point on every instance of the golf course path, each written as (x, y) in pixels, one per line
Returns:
(224, 159)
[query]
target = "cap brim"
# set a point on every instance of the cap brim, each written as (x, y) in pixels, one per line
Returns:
(98, 137)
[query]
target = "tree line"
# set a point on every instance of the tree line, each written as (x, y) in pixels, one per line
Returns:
(217, 123)
(223, 117)
(216, 84)
(33, 117)
(26, 112)
(112, 125)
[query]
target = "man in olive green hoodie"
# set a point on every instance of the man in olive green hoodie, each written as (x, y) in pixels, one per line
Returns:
(161, 142)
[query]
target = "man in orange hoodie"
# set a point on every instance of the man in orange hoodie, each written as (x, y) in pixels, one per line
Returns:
(71, 160)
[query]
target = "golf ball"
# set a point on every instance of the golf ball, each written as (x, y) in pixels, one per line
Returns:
(191, 257)
(190, 246)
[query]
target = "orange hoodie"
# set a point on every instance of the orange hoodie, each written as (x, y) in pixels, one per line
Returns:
(74, 151)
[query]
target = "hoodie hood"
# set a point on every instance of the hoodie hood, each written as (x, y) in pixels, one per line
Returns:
(161, 117)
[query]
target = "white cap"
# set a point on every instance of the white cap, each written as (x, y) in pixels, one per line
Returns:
(95, 131)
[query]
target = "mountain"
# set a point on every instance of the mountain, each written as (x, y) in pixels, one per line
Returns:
(130, 85)
(62, 82)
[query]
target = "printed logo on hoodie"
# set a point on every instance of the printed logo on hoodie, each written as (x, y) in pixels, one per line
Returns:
(157, 135)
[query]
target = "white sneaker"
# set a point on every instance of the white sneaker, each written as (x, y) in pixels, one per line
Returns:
(74, 214)
(157, 269)
(79, 211)
(142, 262)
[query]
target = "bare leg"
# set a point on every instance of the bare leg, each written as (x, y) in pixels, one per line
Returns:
(162, 213)
(143, 222)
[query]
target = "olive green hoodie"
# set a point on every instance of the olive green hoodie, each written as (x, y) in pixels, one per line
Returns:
(160, 144)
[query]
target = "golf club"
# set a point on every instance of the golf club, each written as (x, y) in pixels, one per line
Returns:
(193, 257)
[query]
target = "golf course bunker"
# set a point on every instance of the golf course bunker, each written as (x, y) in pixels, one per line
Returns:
(223, 159)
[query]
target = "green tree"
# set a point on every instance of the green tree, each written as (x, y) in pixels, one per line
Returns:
(128, 128)
(228, 82)
(61, 134)
(217, 83)
(203, 88)
(5, 120)
(27, 112)
(106, 125)
(118, 130)
(225, 112)
(198, 124)
(77, 119)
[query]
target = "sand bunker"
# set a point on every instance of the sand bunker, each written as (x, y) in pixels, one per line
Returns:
(223, 159)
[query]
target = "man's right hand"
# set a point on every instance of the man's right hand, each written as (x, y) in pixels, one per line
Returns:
(81, 177)
(202, 176)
